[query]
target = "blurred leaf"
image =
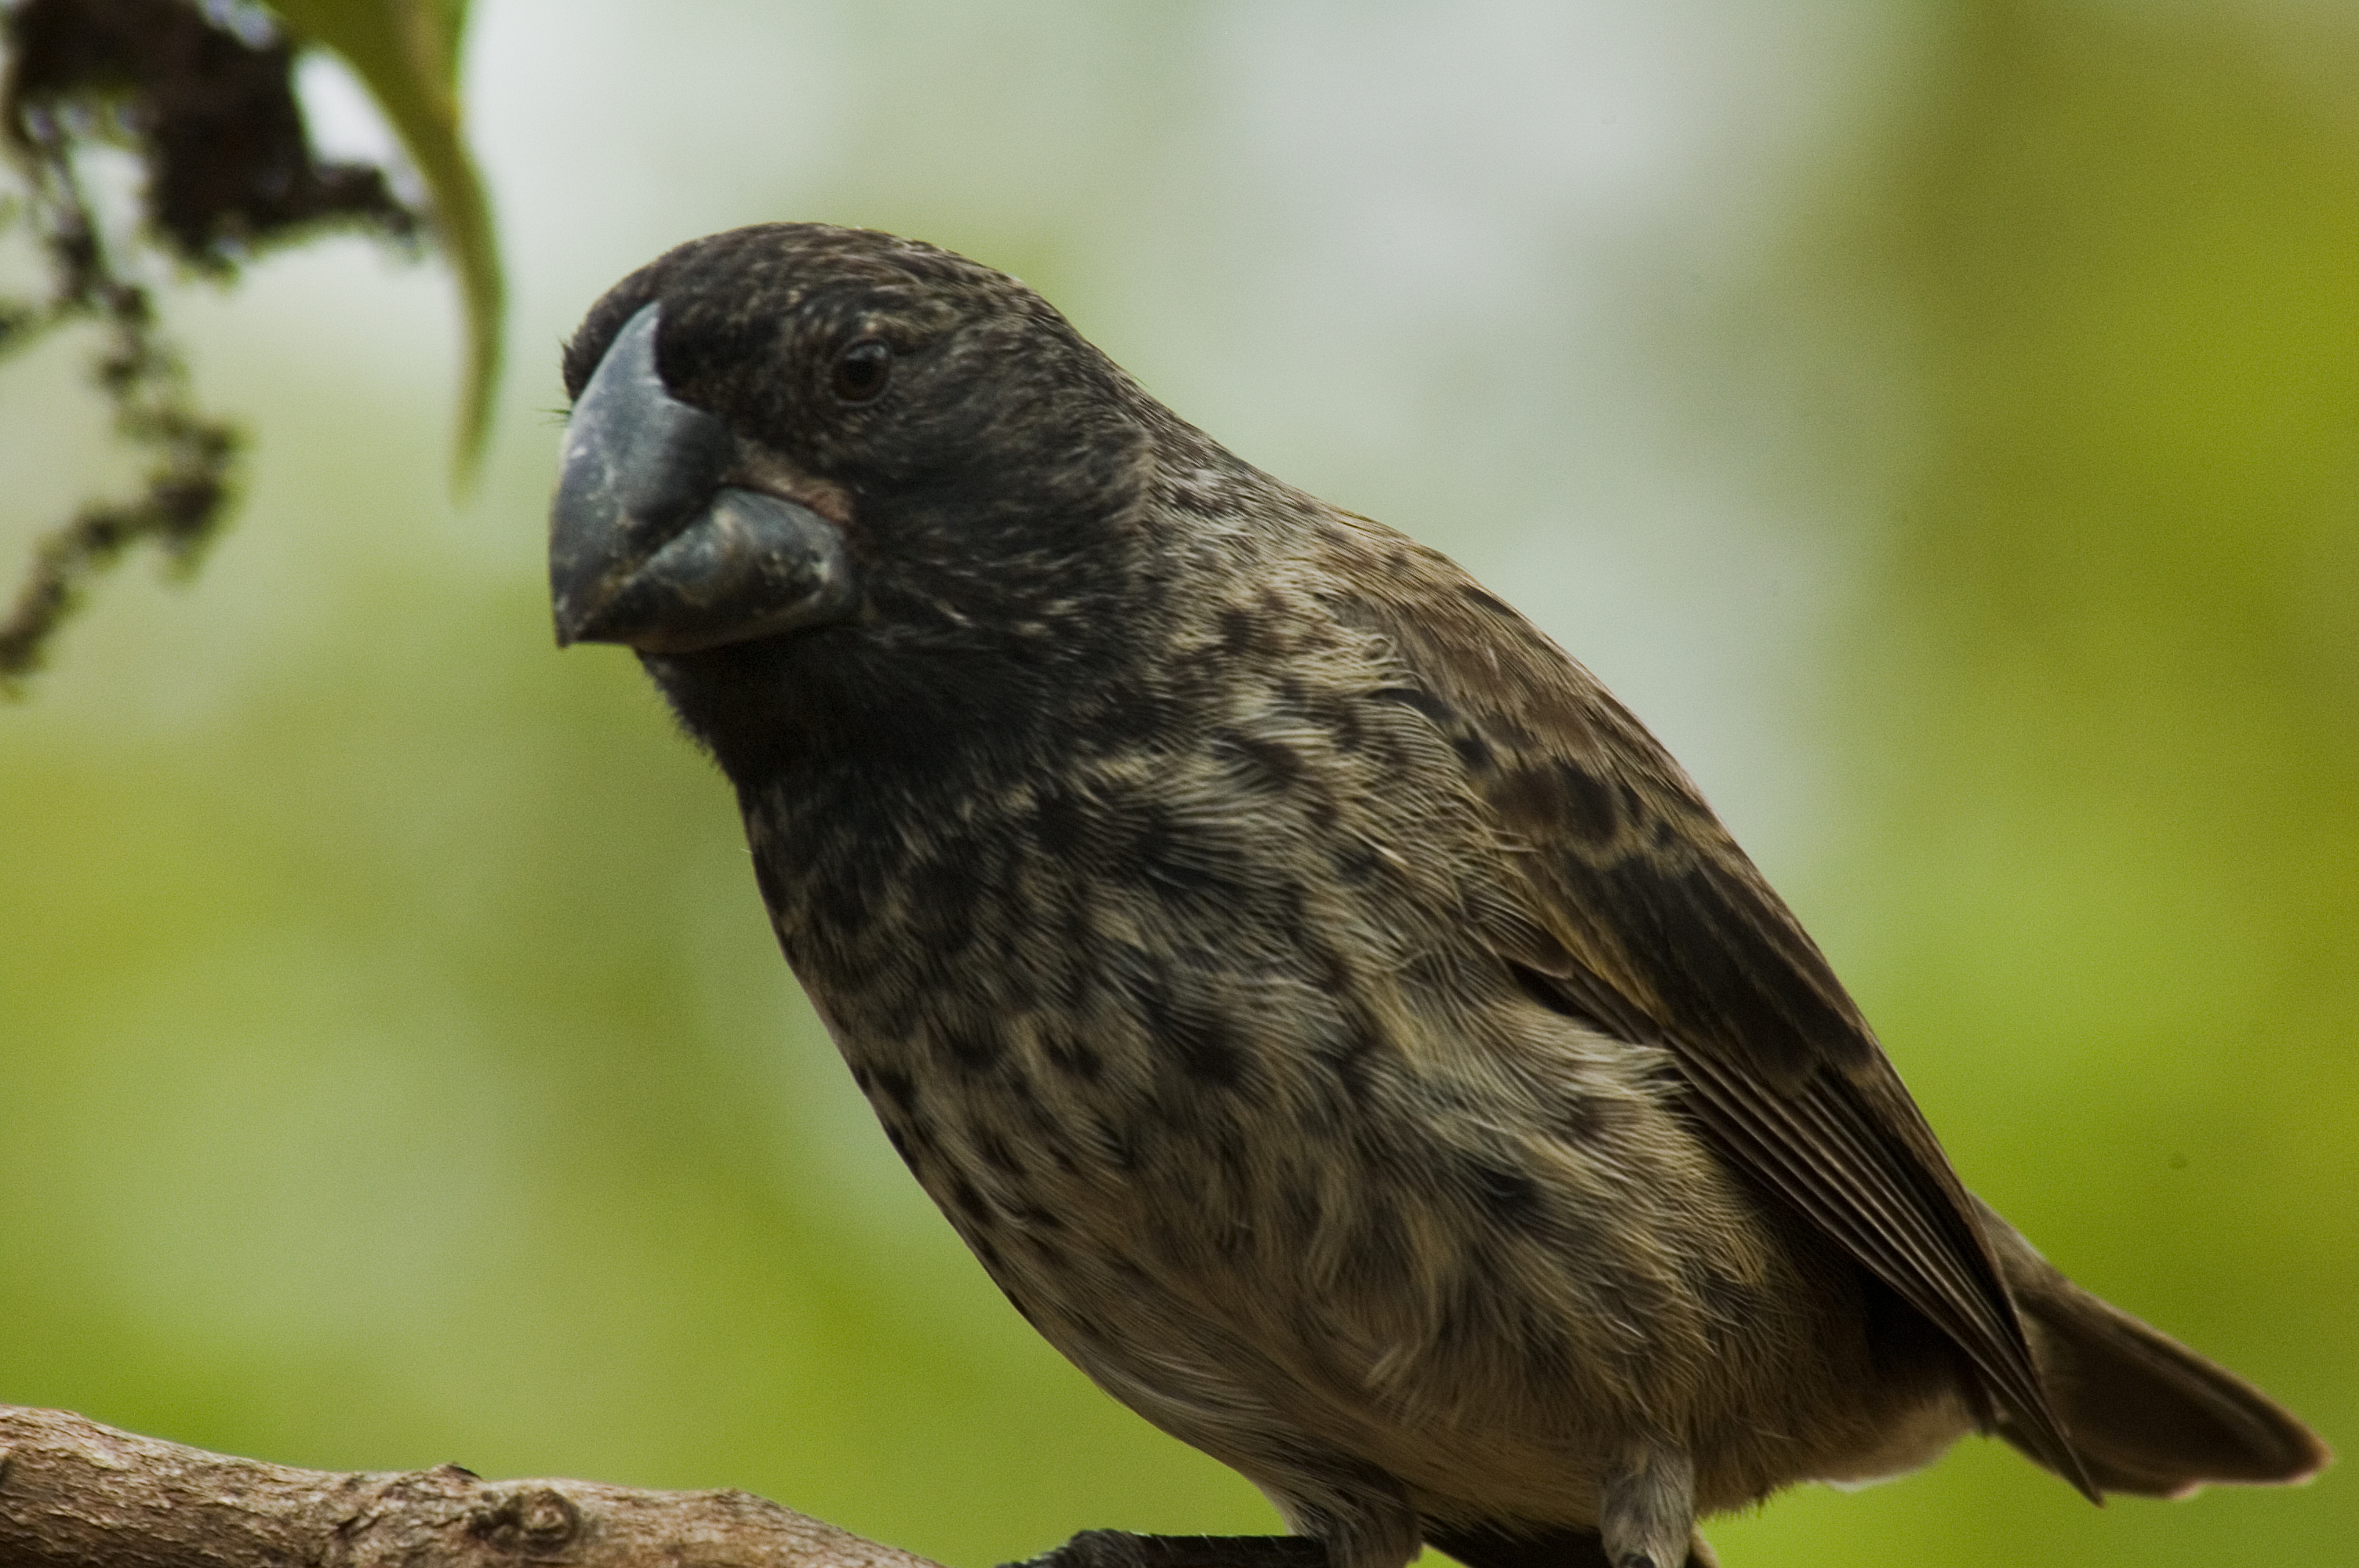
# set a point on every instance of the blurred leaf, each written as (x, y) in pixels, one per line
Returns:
(407, 53)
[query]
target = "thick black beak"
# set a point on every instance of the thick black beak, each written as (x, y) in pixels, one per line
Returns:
(648, 547)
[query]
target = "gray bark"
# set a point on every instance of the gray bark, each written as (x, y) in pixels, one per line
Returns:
(74, 1494)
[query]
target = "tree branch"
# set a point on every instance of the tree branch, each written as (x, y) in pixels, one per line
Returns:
(74, 1494)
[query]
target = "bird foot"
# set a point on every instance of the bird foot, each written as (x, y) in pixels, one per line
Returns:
(1120, 1548)
(1649, 1512)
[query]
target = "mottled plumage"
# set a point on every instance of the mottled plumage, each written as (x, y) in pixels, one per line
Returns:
(1333, 1021)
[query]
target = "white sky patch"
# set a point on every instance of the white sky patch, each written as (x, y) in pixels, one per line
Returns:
(343, 122)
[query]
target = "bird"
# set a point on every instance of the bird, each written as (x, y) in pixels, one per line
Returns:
(1329, 1016)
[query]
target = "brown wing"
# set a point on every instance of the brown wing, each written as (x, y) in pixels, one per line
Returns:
(1666, 933)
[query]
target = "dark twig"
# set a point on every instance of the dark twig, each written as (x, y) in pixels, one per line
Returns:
(187, 484)
(210, 103)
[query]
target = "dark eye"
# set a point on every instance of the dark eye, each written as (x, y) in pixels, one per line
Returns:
(861, 371)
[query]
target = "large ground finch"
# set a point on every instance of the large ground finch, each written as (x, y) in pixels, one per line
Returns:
(1337, 1025)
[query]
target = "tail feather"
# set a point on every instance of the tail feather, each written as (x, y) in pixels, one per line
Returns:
(2150, 1416)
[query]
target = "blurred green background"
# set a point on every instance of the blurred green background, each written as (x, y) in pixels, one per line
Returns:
(1939, 421)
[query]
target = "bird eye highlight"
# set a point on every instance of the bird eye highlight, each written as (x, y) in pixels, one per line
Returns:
(861, 371)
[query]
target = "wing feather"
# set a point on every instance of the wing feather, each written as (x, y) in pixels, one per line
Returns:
(1663, 931)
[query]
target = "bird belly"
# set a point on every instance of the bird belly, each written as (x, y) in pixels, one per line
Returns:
(1429, 1295)
(1293, 1165)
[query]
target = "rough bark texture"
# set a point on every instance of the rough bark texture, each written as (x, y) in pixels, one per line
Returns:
(74, 1494)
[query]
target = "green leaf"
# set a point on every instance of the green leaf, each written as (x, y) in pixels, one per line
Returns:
(406, 52)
